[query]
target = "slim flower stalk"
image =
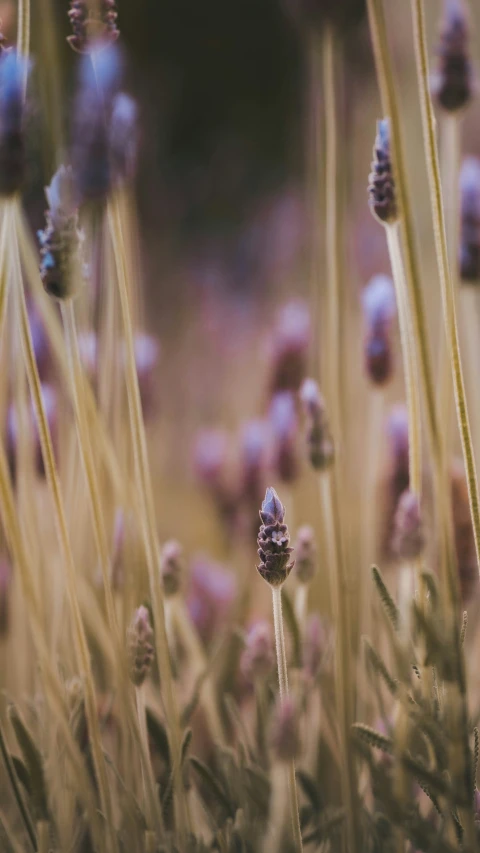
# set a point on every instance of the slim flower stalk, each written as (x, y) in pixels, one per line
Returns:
(274, 551)
(145, 496)
(81, 646)
(448, 296)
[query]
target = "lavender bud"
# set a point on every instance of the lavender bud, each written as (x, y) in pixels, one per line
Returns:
(274, 541)
(85, 27)
(285, 730)
(452, 83)
(291, 343)
(258, 658)
(397, 477)
(211, 467)
(379, 308)
(100, 79)
(123, 138)
(61, 239)
(381, 185)
(464, 539)
(210, 598)
(306, 554)
(314, 645)
(172, 567)
(140, 646)
(470, 219)
(12, 150)
(254, 460)
(284, 424)
(319, 439)
(408, 537)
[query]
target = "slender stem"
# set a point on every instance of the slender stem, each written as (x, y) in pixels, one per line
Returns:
(88, 461)
(383, 62)
(283, 687)
(409, 360)
(23, 37)
(43, 835)
(332, 246)
(448, 297)
(81, 645)
(145, 495)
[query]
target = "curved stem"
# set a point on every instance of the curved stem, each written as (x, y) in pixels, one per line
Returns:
(409, 361)
(283, 687)
(448, 299)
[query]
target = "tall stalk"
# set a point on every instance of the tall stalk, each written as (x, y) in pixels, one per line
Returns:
(448, 296)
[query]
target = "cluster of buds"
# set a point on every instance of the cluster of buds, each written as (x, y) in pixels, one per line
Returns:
(12, 148)
(408, 537)
(381, 187)
(291, 338)
(258, 658)
(285, 730)
(452, 83)
(274, 541)
(140, 646)
(319, 437)
(61, 238)
(283, 421)
(172, 567)
(305, 554)
(379, 310)
(469, 260)
(86, 27)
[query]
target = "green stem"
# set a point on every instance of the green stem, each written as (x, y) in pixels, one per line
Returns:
(448, 297)
(283, 686)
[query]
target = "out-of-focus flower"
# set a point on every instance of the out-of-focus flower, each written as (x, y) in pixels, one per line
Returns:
(408, 537)
(291, 339)
(314, 645)
(379, 310)
(140, 646)
(210, 597)
(319, 438)
(60, 240)
(286, 730)
(258, 658)
(172, 567)
(12, 149)
(283, 421)
(452, 82)
(305, 554)
(469, 259)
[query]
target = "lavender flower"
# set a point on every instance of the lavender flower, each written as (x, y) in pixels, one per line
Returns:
(61, 239)
(140, 646)
(258, 658)
(86, 29)
(211, 594)
(379, 308)
(274, 541)
(319, 438)
(470, 220)
(408, 537)
(285, 730)
(284, 424)
(305, 553)
(254, 453)
(172, 567)
(290, 346)
(452, 83)
(211, 468)
(12, 150)
(381, 186)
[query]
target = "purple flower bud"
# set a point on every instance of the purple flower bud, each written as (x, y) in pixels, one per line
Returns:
(258, 658)
(284, 424)
(211, 594)
(381, 186)
(85, 27)
(274, 541)
(397, 431)
(61, 239)
(452, 83)
(305, 554)
(379, 308)
(319, 439)
(470, 220)
(290, 346)
(172, 567)
(408, 538)
(12, 152)
(314, 645)
(285, 730)
(140, 646)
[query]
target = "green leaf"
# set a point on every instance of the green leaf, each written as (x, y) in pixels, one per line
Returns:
(24, 811)
(309, 788)
(373, 738)
(22, 773)
(34, 763)
(377, 664)
(187, 739)
(158, 734)
(329, 823)
(213, 786)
